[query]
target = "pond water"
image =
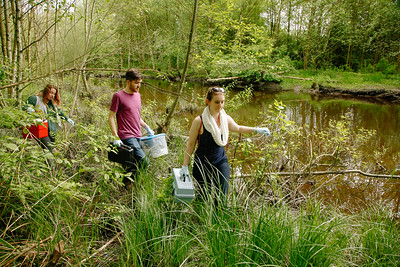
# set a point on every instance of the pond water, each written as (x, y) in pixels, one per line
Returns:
(315, 111)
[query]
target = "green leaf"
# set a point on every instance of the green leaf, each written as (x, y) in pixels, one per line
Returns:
(11, 146)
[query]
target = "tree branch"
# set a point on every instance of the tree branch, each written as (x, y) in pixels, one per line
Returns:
(103, 247)
(326, 173)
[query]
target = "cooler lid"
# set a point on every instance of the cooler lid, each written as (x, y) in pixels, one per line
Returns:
(149, 137)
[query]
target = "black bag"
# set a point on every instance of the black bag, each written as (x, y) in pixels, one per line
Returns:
(123, 154)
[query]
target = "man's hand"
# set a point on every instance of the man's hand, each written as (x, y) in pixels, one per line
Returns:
(117, 143)
(149, 131)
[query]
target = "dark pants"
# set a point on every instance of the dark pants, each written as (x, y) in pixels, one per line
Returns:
(140, 161)
(212, 177)
(48, 141)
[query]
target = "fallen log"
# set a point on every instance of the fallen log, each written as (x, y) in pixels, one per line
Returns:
(325, 173)
(221, 80)
(296, 78)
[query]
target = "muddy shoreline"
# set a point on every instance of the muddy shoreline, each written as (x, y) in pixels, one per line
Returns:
(386, 95)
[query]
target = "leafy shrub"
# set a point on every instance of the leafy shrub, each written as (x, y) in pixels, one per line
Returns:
(12, 117)
(368, 69)
(382, 65)
(257, 76)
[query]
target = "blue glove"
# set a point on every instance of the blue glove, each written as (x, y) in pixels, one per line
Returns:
(71, 122)
(117, 143)
(184, 172)
(30, 110)
(264, 131)
(149, 131)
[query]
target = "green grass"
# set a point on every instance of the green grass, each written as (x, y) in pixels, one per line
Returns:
(79, 201)
(342, 79)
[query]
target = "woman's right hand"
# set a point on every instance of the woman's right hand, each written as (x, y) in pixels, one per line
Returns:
(184, 171)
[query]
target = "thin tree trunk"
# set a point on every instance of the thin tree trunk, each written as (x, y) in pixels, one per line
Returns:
(3, 32)
(28, 37)
(148, 40)
(164, 128)
(307, 53)
(75, 94)
(3, 45)
(8, 58)
(7, 30)
(55, 39)
(348, 59)
(275, 34)
(48, 64)
(88, 31)
(18, 53)
(16, 47)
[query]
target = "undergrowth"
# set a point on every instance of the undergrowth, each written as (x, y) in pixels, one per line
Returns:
(73, 201)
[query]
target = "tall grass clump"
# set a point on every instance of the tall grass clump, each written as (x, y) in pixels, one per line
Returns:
(314, 241)
(379, 237)
(269, 237)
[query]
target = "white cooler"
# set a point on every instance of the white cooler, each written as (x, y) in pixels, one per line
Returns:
(183, 189)
(154, 145)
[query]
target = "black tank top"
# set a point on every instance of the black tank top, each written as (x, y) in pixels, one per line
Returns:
(208, 150)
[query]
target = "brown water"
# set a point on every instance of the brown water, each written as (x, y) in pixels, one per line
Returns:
(315, 111)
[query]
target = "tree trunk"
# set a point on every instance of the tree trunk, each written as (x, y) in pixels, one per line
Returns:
(310, 33)
(3, 46)
(18, 54)
(164, 127)
(88, 32)
(55, 39)
(148, 39)
(48, 63)
(7, 30)
(3, 32)
(8, 58)
(16, 46)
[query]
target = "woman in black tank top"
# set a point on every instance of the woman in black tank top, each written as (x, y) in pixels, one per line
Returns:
(210, 166)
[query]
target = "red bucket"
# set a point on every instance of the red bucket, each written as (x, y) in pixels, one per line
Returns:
(36, 130)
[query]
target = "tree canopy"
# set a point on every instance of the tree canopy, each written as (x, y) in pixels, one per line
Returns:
(232, 36)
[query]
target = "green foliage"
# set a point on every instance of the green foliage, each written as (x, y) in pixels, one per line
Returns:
(12, 117)
(257, 76)
(315, 242)
(376, 237)
(238, 100)
(385, 67)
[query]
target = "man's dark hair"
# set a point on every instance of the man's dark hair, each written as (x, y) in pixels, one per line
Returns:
(133, 74)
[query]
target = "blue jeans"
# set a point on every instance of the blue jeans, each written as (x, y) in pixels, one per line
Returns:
(140, 158)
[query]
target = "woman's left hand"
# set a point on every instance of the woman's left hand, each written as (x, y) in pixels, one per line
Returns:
(264, 131)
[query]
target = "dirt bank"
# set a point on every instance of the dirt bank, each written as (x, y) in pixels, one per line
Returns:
(387, 95)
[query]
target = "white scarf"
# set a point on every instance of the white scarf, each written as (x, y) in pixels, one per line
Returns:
(212, 127)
